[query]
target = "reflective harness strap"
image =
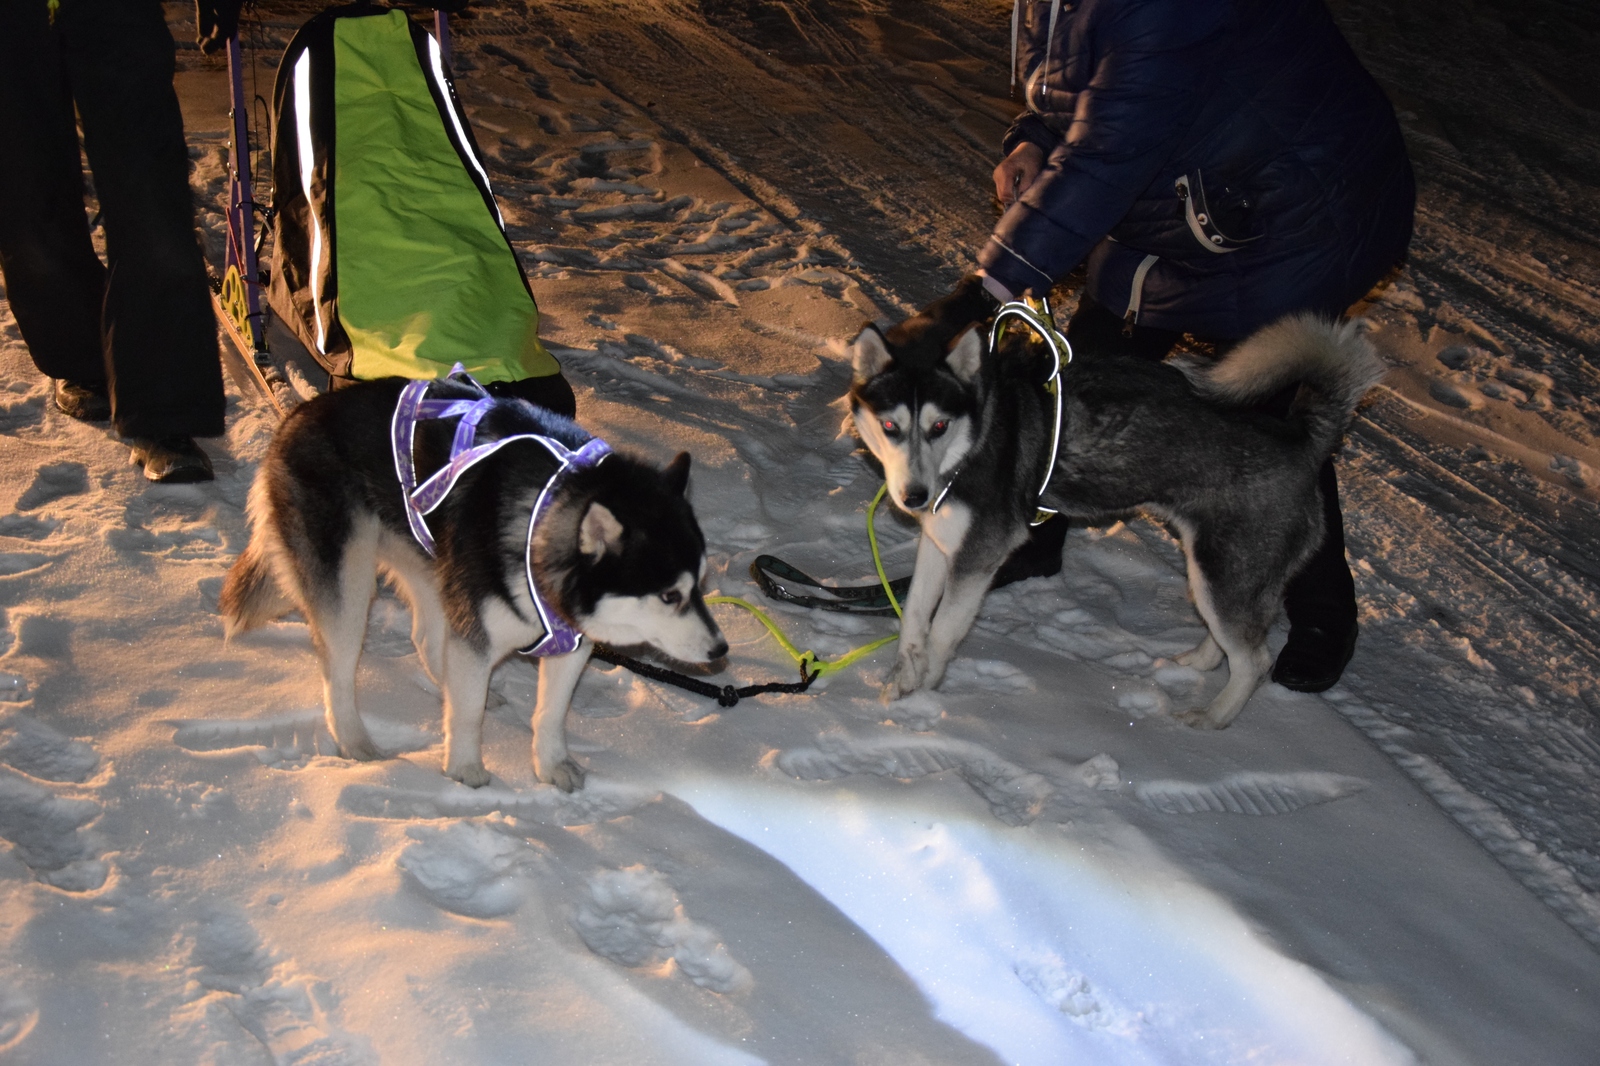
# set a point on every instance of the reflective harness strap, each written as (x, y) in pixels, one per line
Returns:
(1035, 312)
(419, 500)
(559, 638)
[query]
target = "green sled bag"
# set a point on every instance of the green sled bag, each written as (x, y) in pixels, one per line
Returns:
(391, 257)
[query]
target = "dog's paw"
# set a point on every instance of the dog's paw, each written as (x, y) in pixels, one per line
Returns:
(363, 750)
(472, 775)
(1207, 655)
(1200, 718)
(567, 776)
(904, 679)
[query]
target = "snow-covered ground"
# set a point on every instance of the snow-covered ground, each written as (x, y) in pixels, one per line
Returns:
(1034, 865)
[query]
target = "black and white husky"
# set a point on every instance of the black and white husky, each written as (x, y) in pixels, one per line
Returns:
(965, 443)
(615, 554)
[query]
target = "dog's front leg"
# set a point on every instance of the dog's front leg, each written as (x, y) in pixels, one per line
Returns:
(963, 597)
(558, 677)
(466, 687)
(927, 587)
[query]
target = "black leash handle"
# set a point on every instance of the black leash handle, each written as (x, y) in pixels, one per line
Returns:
(775, 577)
(726, 695)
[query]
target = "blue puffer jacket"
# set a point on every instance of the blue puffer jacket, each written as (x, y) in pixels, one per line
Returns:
(1219, 162)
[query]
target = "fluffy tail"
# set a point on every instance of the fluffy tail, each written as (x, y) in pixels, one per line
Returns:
(1332, 360)
(250, 593)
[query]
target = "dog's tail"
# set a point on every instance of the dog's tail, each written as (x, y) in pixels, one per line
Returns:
(1332, 361)
(251, 595)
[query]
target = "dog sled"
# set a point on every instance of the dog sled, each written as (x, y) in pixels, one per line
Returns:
(389, 255)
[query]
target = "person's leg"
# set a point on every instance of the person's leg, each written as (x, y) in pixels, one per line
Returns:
(54, 281)
(1095, 331)
(159, 331)
(1321, 604)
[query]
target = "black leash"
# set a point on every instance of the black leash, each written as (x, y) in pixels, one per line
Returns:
(776, 578)
(726, 695)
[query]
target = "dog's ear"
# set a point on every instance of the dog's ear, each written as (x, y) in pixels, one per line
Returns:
(599, 532)
(967, 354)
(677, 474)
(869, 354)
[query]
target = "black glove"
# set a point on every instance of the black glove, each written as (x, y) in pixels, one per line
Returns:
(216, 20)
(925, 338)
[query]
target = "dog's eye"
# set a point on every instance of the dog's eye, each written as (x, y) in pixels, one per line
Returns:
(672, 597)
(890, 429)
(936, 430)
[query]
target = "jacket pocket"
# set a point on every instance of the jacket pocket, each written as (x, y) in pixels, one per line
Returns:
(1221, 217)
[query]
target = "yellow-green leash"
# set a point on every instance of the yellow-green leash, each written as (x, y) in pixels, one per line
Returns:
(811, 667)
(809, 663)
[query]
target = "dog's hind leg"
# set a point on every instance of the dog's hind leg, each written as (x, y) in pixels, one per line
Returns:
(338, 620)
(419, 587)
(1237, 608)
(1247, 668)
(558, 678)
(927, 588)
(338, 628)
(1207, 655)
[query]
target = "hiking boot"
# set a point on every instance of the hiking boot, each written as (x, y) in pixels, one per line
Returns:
(86, 403)
(1039, 557)
(1314, 657)
(171, 460)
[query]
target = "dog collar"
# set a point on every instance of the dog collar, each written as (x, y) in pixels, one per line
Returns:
(414, 406)
(1035, 312)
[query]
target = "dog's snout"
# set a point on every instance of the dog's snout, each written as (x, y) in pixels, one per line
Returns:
(718, 650)
(915, 496)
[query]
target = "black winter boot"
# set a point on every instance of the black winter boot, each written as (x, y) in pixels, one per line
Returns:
(171, 460)
(1039, 557)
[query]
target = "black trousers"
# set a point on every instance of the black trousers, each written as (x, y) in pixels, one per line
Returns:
(142, 323)
(1323, 594)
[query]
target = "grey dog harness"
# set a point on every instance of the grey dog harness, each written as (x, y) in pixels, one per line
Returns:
(559, 637)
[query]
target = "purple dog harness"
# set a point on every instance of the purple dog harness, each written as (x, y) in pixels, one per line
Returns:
(559, 637)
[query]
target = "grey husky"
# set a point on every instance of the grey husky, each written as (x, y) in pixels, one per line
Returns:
(965, 447)
(617, 554)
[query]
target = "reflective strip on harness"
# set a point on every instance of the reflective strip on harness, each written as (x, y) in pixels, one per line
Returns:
(559, 638)
(1035, 311)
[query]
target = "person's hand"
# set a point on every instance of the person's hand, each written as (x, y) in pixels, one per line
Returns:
(1017, 171)
(216, 21)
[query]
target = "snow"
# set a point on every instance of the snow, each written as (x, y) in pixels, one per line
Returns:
(1034, 864)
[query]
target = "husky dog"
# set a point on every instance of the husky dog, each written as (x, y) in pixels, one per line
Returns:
(965, 443)
(616, 553)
